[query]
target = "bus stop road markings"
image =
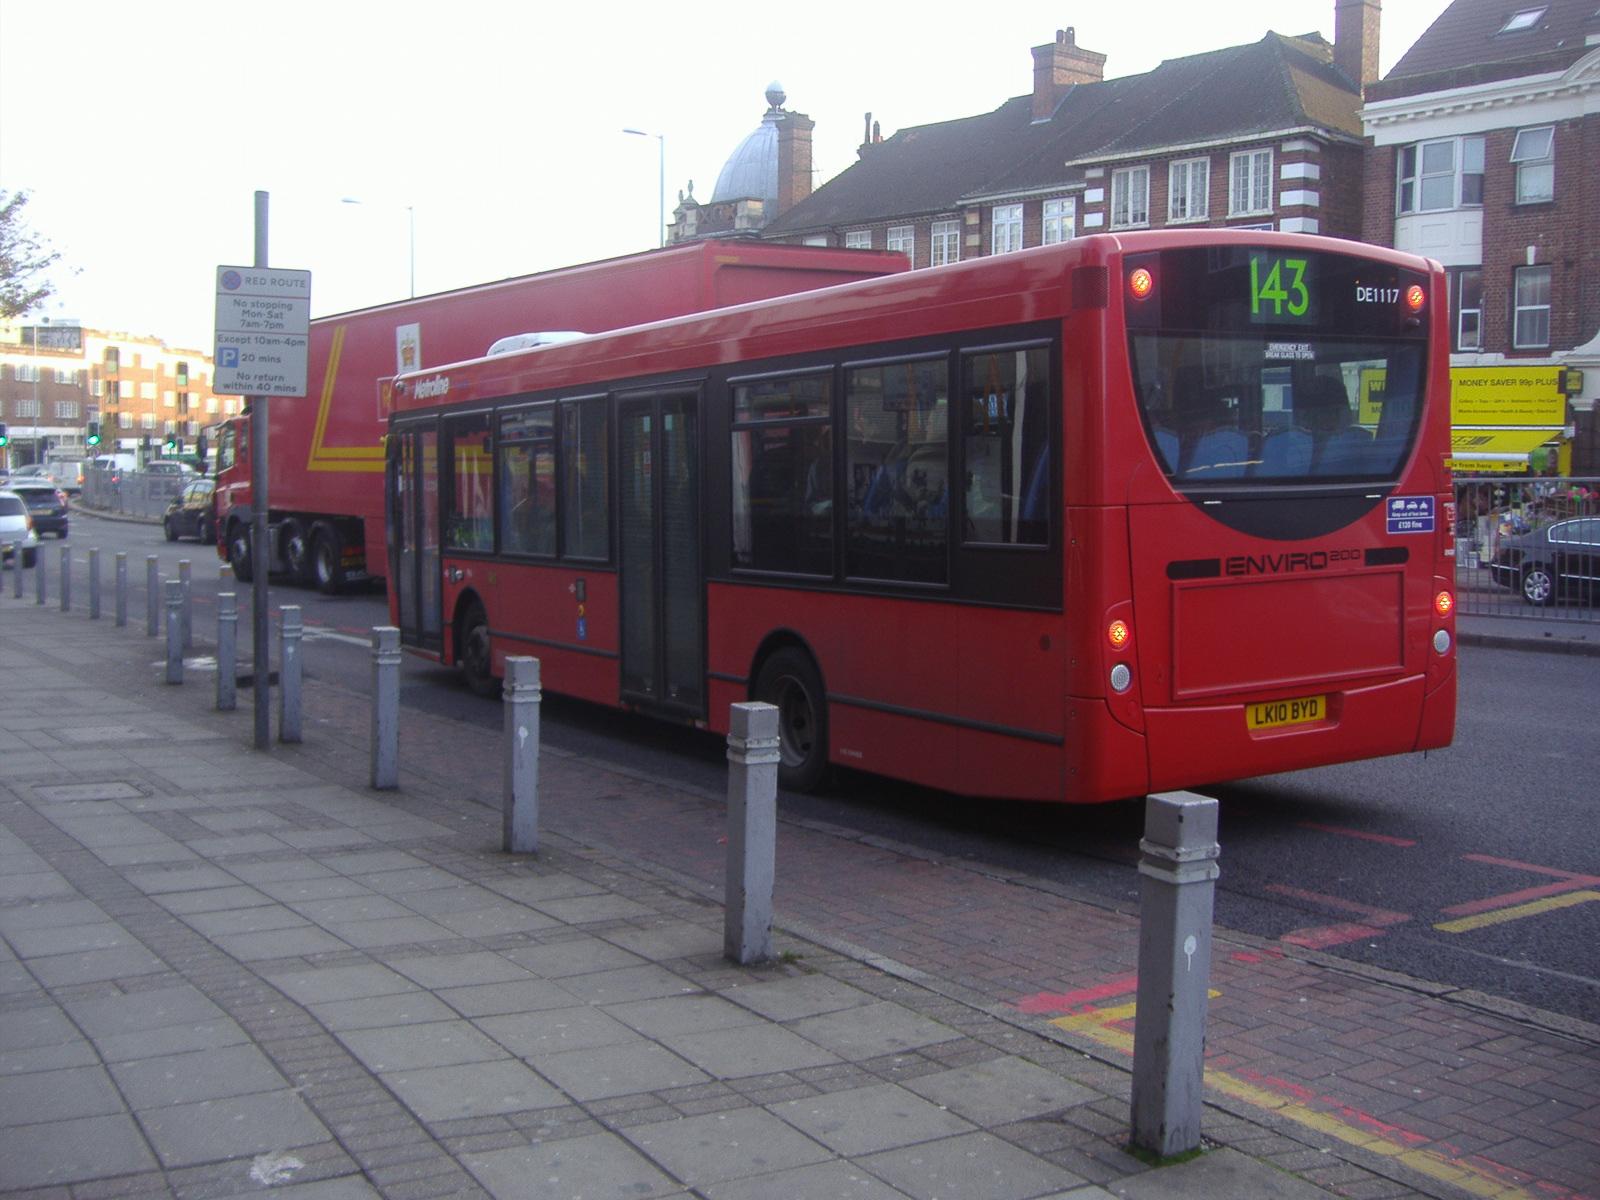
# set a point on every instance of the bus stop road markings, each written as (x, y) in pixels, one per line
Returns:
(1573, 889)
(1373, 923)
(1517, 911)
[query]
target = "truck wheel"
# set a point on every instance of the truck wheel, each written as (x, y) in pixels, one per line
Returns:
(327, 555)
(239, 553)
(297, 552)
(790, 681)
(476, 658)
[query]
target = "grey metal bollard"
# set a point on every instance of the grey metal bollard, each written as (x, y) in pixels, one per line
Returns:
(187, 615)
(122, 588)
(752, 831)
(40, 562)
(15, 551)
(289, 707)
(174, 631)
(66, 579)
(385, 707)
(94, 584)
(225, 575)
(1178, 871)
(520, 746)
(152, 584)
(227, 652)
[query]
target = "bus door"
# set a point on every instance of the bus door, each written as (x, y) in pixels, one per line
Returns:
(662, 594)
(413, 520)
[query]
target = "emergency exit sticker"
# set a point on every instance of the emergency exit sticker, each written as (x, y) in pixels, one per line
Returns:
(1410, 514)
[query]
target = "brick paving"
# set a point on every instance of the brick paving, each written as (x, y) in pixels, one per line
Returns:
(284, 919)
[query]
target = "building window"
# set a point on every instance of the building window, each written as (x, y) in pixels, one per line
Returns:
(67, 376)
(169, 399)
(211, 404)
(147, 421)
(1466, 296)
(946, 242)
(818, 239)
(1434, 176)
(1059, 221)
(113, 357)
(27, 373)
(1250, 183)
(904, 239)
(125, 420)
(124, 388)
(1188, 186)
(1531, 326)
(1534, 154)
(1523, 19)
(183, 374)
(1005, 230)
(24, 408)
(67, 410)
(858, 239)
(1130, 197)
(147, 391)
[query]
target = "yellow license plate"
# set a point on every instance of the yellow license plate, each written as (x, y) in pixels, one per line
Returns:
(1273, 713)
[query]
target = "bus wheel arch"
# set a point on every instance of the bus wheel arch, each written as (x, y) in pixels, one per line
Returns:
(787, 676)
(473, 651)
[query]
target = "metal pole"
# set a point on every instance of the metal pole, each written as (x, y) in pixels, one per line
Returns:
(520, 746)
(152, 588)
(66, 579)
(185, 580)
(1178, 871)
(752, 831)
(15, 552)
(259, 558)
(122, 589)
(227, 651)
(94, 584)
(385, 707)
(174, 631)
(289, 675)
(39, 564)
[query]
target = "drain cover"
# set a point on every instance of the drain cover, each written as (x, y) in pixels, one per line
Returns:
(90, 791)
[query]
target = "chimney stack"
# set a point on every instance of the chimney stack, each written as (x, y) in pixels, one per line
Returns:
(794, 161)
(1060, 64)
(1355, 39)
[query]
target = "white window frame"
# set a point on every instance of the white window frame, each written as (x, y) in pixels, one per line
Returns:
(816, 239)
(1534, 154)
(124, 420)
(1422, 184)
(1005, 228)
(67, 376)
(25, 408)
(1250, 183)
(1188, 190)
(1530, 318)
(66, 410)
(27, 373)
(1060, 220)
(1130, 198)
(147, 422)
(211, 404)
(858, 239)
(1523, 19)
(945, 242)
(904, 239)
(1463, 310)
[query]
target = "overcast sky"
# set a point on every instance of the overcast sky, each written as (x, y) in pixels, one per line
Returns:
(144, 130)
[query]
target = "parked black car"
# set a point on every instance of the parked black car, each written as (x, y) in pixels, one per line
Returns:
(47, 504)
(1560, 559)
(192, 514)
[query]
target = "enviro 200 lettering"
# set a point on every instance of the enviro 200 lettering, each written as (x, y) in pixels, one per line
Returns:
(1290, 560)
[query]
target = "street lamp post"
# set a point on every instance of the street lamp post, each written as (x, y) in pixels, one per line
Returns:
(411, 239)
(661, 190)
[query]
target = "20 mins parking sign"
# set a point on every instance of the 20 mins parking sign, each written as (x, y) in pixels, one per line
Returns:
(1410, 514)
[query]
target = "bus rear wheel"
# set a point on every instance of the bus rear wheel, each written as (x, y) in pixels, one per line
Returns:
(477, 661)
(790, 682)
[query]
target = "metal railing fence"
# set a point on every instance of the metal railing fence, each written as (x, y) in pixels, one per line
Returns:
(1502, 517)
(131, 493)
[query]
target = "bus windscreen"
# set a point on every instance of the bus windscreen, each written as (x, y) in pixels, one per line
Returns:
(1256, 367)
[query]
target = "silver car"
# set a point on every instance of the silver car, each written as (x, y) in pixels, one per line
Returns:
(16, 528)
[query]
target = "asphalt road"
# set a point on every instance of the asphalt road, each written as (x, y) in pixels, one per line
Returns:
(1364, 860)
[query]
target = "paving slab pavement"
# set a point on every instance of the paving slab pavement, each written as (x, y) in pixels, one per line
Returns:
(225, 971)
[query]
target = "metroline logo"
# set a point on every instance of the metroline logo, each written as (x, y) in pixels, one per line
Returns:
(424, 389)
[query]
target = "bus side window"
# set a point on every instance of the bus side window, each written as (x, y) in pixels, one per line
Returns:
(468, 516)
(1007, 447)
(897, 463)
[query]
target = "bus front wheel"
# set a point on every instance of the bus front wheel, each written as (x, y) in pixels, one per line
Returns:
(790, 682)
(477, 662)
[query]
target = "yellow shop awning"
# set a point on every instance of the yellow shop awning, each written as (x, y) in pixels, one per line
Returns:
(1502, 449)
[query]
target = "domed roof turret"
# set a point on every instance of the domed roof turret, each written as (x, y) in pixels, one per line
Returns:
(752, 168)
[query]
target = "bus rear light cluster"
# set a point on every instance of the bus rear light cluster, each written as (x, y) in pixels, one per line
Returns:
(1121, 678)
(1140, 282)
(1416, 297)
(1119, 633)
(1443, 603)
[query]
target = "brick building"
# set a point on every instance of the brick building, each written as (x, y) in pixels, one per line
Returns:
(1486, 155)
(56, 379)
(1260, 136)
(766, 175)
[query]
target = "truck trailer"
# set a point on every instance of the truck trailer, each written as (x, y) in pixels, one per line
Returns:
(325, 450)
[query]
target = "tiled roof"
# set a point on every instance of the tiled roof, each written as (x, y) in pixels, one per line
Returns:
(1468, 34)
(1234, 94)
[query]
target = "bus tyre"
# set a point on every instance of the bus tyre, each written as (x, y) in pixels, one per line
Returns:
(327, 559)
(169, 529)
(239, 553)
(297, 552)
(790, 682)
(473, 649)
(1538, 585)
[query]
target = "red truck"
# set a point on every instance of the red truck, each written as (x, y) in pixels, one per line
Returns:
(325, 450)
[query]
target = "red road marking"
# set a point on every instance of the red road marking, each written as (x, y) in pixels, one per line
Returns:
(1571, 881)
(1317, 937)
(1061, 1001)
(1374, 916)
(1357, 833)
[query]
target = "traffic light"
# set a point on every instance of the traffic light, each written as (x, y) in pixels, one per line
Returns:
(170, 446)
(94, 433)
(5, 438)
